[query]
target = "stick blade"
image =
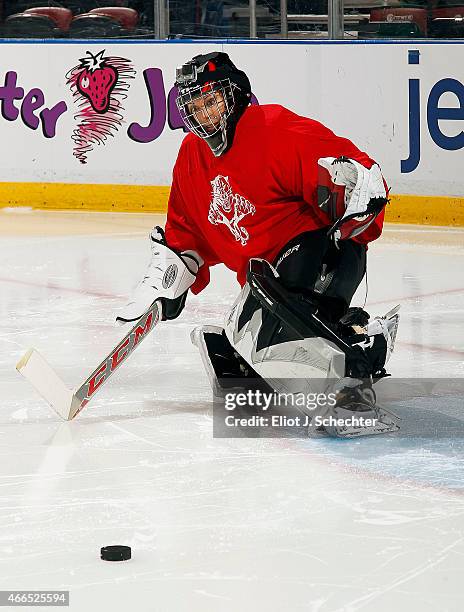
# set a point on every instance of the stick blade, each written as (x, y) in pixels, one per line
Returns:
(47, 382)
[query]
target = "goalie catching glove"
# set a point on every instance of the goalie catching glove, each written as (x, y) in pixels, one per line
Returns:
(169, 276)
(351, 194)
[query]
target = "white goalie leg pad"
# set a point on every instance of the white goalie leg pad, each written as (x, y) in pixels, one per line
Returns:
(294, 366)
(310, 365)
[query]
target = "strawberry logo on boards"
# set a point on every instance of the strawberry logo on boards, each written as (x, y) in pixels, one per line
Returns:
(96, 81)
(99, 86)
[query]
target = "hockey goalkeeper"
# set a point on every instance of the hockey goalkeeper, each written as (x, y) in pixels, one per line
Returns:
(290, 207)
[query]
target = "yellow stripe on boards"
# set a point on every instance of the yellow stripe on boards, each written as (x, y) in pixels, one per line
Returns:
(425, 210)
(73, 196)
(416, 209)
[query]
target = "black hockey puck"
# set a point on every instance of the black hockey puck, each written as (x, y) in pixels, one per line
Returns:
(116, 553)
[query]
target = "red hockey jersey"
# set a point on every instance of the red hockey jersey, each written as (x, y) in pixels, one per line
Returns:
(252, 200)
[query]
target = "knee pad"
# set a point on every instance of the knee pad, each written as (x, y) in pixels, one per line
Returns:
(278, 351)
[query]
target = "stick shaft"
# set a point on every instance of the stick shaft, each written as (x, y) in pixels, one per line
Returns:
(116, 357)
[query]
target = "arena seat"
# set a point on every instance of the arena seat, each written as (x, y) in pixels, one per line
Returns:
(388, 29)
(447, 27)
(454, 11)
(401, 15)
(16, 7)
(89, 25)
(25, 25)
(127, 17)
(62, 17)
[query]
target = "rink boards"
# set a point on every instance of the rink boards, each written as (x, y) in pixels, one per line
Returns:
(403, 102)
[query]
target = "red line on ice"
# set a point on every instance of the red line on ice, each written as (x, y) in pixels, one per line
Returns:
(54, 287)
(416, 297)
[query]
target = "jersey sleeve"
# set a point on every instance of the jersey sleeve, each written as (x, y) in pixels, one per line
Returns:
(316, 141)
(183, 234)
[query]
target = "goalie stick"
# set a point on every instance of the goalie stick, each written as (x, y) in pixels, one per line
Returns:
(68, 403)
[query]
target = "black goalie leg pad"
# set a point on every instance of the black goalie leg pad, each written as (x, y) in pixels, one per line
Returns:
(225, 368)
(301, 315)
(355, 412)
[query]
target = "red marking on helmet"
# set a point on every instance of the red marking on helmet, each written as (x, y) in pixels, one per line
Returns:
(211, 66)
(206, 87)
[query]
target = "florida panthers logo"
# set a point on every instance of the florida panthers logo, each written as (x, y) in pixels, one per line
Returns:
(229, 208)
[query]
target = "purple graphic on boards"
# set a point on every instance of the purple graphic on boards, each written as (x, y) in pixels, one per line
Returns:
(32, 101)
(99, 85)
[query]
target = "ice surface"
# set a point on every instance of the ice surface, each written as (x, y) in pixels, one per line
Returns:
(216, 524)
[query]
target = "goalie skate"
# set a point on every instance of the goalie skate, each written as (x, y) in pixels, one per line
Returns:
(356, 413)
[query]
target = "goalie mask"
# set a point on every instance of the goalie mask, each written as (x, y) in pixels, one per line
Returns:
(212, 95)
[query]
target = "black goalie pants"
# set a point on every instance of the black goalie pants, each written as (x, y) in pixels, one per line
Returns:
(312, 265)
